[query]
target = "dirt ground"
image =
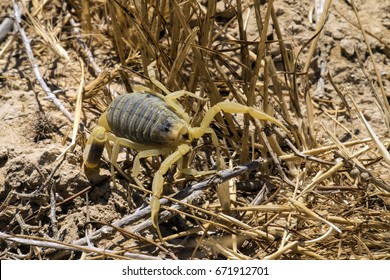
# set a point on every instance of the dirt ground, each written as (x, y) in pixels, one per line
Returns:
(49, 198)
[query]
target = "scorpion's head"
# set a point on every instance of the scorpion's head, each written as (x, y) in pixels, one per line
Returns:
(170, 132)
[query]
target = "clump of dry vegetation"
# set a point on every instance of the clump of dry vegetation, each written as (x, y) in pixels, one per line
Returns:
(320, 191)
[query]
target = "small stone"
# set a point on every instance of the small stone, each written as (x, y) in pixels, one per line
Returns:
(347, 47)
(280, 11)
(386, 23)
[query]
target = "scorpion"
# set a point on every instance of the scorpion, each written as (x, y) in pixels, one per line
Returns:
(154, 124)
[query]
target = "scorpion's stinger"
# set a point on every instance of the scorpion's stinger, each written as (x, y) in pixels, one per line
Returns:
(96, 142)
(94, 147)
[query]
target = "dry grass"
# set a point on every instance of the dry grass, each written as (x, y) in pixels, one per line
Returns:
(316, 198)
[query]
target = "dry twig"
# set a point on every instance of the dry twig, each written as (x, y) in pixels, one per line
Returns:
(36, 71)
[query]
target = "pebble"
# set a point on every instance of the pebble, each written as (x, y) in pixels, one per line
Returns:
(347, 47)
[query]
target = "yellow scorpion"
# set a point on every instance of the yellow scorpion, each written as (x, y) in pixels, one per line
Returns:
(155, 124)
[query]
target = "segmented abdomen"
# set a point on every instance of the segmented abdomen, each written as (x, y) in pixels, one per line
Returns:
(142, 118)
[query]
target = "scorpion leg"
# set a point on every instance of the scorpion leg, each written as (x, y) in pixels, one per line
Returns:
(145, 154)
(114, 153)
(171, 100)
(223, 188)
(171, 97)
(177, 94)
(158, 181)
(152, 76)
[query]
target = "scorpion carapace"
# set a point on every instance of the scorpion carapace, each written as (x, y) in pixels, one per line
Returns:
(145, 118)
